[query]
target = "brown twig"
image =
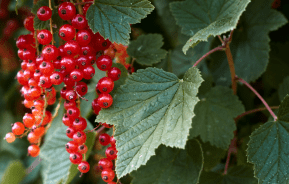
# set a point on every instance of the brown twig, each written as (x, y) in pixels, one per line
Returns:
(253, 111)
(220, 48)
(51, 29)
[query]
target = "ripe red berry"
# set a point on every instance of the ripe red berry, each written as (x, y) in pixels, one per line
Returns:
(87, 50)
(50, 52)
(100, 42)
(107, 125)
(105, 85)
(68, 63)
(76, 75)
(66, 32)
(81, 88)
(112, 141)
(75, 158)
(70, 131)
(107, 175)
(46, 68)
(111, 153)
(68, 81)
(104, 139)
(114, 73)
(79, 124)
(56, 78)
(28, 23)
(24, 42)
(33, 150)
(39, 131)
(104, 100)
(71, 147)
(68, 104)
(88, 72)
(29, 53)
(18, 128)
(104, 63)
(71, 95)
(44, 13)
(82, 62)
(83, 167)
(28, 120)
(67, 121)
(44, 81)
(66, 11)
(73, 112)
(105, 163)
(79, 137)
(71, 48)
(95, 107)
(44, 37)
(82, 149)
(10, 137)
(83, 37)
(79, 22)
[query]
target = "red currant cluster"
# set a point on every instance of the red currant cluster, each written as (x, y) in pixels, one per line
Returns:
(69, 63)
(106, 164)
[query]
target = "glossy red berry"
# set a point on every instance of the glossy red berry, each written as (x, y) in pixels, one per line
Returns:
(18, 128)
(76, 75)
(105, 85)
(71, 95)
(29, 53)
(82, 62)
(44, 13)
(66, 120)
(79, 22)
(33, 150)
(39, 59)
(24, 42)
(79, 124)
(111, 153)
(87, 50)
(91, 59)
(107, 175)
(68, 81)
(31, 65)
(71, 147)
(70, 131)
(46, 68)
(79, 137)
(114, 73)
(105, 163)
(73, 112)
(66, 11)
(100, 42)
(68, 63)
(84, 167)
(56, 78)
(44, 81)
(68, 104)
(71, 48)
(82, 149)
(95, 107)
(104, 100)
(104, 62)
(32, 138)
(83, 37)
(75, 158)
(81, 88)
(50, 52)
(112, 141)
(104, 139)
(10, 137)
(66, 32)
(28, 23)
(44, 37)
(40, 131)
(63, 92)
(88, 72)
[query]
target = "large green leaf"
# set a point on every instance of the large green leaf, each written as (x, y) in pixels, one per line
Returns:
(268, 148)
(250, 45)
(14, 174)
(235, 175)
(214, 120)
(122, 78)
(154, 107)
(146, 49)
(112, 18)
(284, 89)
(172, 165)
(201, 19)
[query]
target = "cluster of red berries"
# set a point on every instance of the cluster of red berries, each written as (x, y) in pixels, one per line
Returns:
(69, 63)
(105, 164)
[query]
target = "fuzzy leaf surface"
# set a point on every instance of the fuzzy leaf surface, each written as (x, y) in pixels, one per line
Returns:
(250, 45)
(214, 120)
(202, 19)
(284, 89)
(172, 165)
(268, 148)
(14, 173)
(154, 107)
(147, 49)
(112, 18)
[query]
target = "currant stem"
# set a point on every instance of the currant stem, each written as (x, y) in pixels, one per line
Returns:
(220, 48)
(44, 109)
(51, 30)
(232, 68)
(36, 42)
(79, 7)
(253, 111)
(231, 148)
(259, 96)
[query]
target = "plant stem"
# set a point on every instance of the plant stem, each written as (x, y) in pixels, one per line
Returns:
(253, 111)
(44, 109)
(51, 30)
(232, 67)
(100, 129)
(36, 43)
(231, 148)
(207, 54)
(259, 96)
(79, 7)
(222, 41)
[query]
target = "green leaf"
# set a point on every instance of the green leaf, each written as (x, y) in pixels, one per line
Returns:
(85, 106)
(283, 111)
(284, 89)
(172, 165)
(235, 175)
(212, 155)
(154, 107)
(38, 24)
(14, 174)
(122, 79)
(202, 19)
(250, 45)
(5, 159)
(214, 120)
(146, 49)
(112, 18)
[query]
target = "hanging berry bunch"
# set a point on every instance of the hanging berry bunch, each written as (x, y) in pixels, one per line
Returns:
(70, 63)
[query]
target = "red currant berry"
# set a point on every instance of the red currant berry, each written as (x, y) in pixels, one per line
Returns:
(79, 137)
(105, 163)
(79, 124)
(85, 8)
(63, 92)
(29, 53)
(67, 32)
(83, 37)
(46, 68)
(68, 63)
(112, 141)
(111, 153)
(68, 104)
(18, 128)
(44, 13)
(20, 54)
(107, 125)
(31, 65)
(50, 52)
(28, 104)
(104, 100)
(44, 81)
(61, 51)
(82, 62)
(73, 112)
(56, 78)
(101, 43)
(71, 147)
(83, 167)
(24, 42)
(32, 138)
(44, 37)
(33, 150)
(39, 59)
(71, 95)
(70, 131)
(57, 63)
(68, 81)
(79, 22)
(28, 23)
(10, 137)
(88, 72)
(82, 149)
(66, 120)
(104, 63)
(81, 88)
(91, 59)
(76, 75)
(87, 50)
(104, 139)
(20, 78)
(105, 85)
(66, 11)
(107, 175)
(39, 131)
(71, 48)
(114, 73)
(95, 107)
(75, 158)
